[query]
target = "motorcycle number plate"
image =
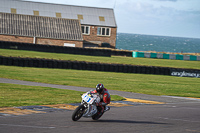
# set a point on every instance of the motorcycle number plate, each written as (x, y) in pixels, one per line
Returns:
(87, 98)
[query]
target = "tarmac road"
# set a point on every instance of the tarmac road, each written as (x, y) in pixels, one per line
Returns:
(177, 115)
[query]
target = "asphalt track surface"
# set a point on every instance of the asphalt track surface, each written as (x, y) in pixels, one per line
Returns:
(176, 115)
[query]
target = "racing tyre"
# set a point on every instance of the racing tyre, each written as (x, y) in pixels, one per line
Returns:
(97, 116)
(77, 114)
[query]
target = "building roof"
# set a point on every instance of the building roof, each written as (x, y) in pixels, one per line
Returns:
(38, 26)
(86, 15)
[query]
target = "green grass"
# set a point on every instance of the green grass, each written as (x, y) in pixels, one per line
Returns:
(113, 59)
(21, 95)
(138, 83)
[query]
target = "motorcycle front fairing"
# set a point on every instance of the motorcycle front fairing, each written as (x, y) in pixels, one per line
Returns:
(90, 111)
(91, 100)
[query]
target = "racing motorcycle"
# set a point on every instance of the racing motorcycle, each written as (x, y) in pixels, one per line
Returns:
(88, 107)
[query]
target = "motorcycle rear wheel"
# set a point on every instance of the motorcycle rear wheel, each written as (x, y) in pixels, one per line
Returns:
(78, 112)
(97, 116)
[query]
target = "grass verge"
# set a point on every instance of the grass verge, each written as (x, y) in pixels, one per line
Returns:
(21, 95)
(137, 83)
(113, 59)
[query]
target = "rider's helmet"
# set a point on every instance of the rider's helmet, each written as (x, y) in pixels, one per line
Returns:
(99, 88)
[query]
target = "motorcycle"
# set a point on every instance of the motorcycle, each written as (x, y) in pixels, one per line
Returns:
(88, 107)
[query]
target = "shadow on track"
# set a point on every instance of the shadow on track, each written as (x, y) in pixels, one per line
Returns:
(125, 121)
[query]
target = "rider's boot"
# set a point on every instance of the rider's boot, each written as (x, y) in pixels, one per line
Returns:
(101, 109)
(106, 108)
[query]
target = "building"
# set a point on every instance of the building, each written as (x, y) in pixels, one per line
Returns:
(97, 25)
(40, 30)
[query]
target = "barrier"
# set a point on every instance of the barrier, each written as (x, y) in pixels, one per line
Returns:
(121, 53)
(166, 56)
(172, 56)
(186, 57)
(55, 49)
(179, 57)
(81, 65)
(153, 55)
(147, 55)
(160, 55)
(193, 58)
(185, 73)
(198, 58)
(138, 54)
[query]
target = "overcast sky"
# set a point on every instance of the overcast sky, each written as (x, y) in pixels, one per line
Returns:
(152, 17)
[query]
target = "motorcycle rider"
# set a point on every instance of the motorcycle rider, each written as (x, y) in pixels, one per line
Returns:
(104, 98)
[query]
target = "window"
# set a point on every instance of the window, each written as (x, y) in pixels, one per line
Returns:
(13, 10)
(36, 13)
(85, 30)
(58, 15)
(103, 31)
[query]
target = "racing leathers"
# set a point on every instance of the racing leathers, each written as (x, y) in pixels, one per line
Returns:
(104, 99)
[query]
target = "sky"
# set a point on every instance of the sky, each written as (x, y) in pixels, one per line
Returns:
(179, 18)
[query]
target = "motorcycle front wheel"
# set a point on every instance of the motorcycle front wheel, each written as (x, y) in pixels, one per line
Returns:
(78, 112)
